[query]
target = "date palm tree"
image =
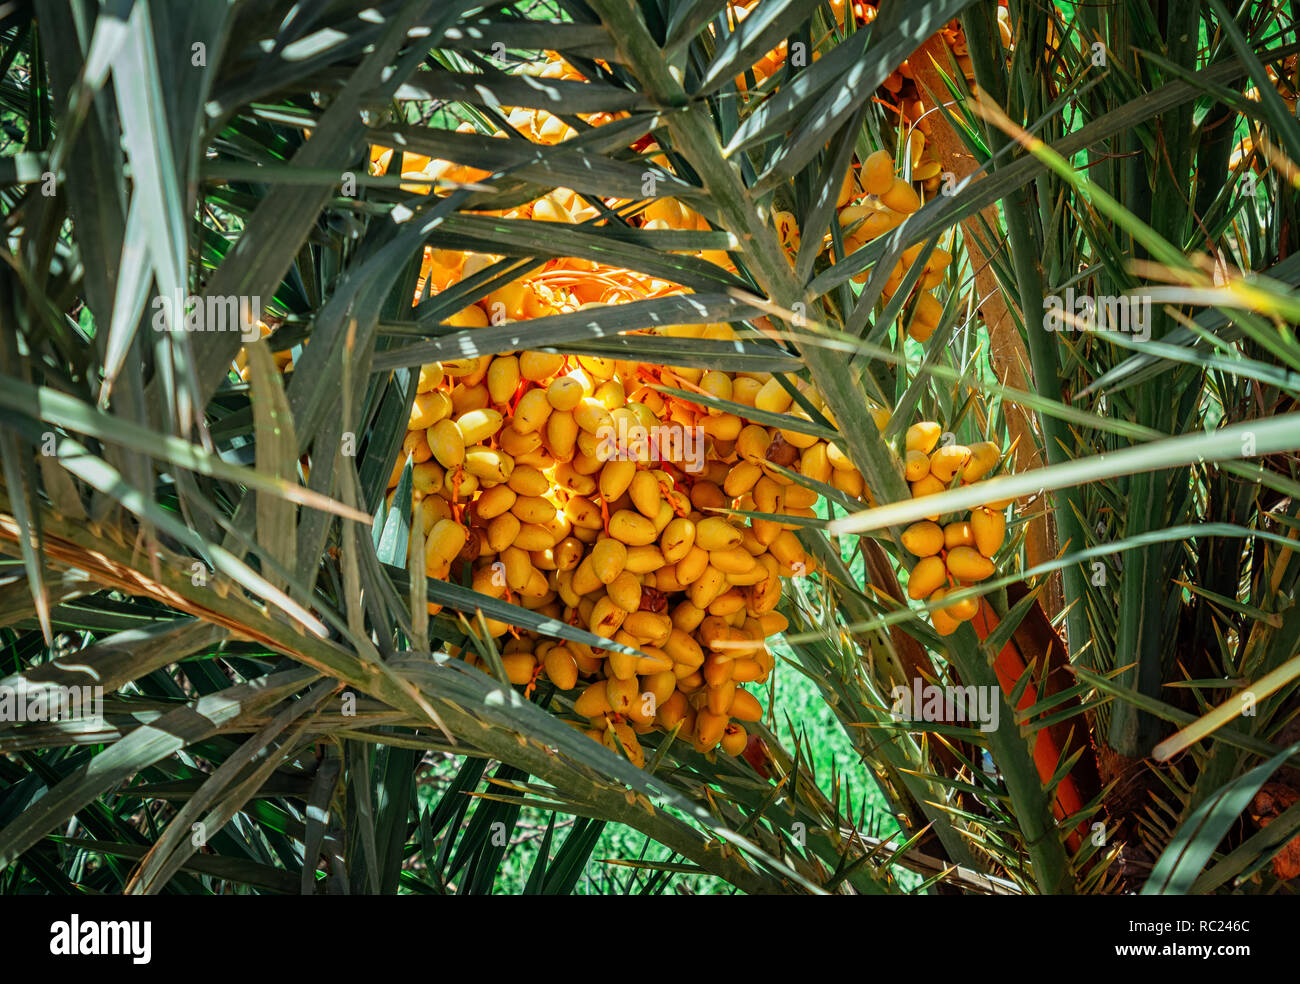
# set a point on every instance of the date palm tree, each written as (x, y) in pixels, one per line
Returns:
(215, 549)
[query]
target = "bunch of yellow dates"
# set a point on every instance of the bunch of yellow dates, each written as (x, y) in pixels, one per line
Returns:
(960, 553)
(575, 488)
(890, 200)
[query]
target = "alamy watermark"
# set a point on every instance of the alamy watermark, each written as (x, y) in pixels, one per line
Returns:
(102, 938)
(1070, 312)
(19, 705)
(214, 312)
(662, 442)
(946, 705)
